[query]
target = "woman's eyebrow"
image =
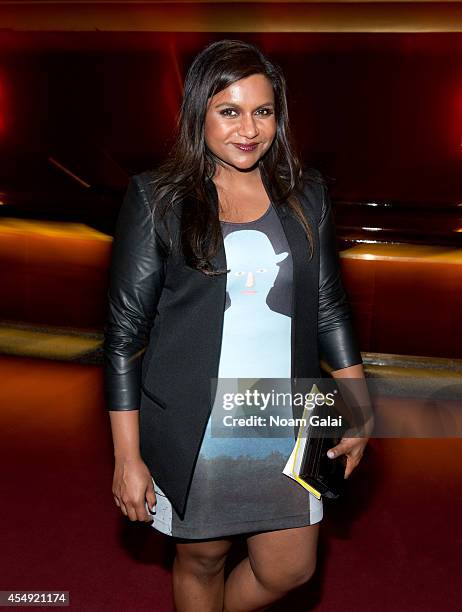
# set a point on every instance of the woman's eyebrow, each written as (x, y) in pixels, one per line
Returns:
(237, 105)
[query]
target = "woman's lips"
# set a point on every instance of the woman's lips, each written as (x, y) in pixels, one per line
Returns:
(242, 147)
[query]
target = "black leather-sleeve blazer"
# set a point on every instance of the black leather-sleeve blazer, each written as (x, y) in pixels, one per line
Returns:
(337, 341)
(136, 279)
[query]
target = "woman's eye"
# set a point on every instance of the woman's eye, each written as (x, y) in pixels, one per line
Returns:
(226, 112)
(265, 111)
(260, 270)
(239, 273)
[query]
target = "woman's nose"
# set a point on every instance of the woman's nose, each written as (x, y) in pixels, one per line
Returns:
(248, 127)
(250, 280)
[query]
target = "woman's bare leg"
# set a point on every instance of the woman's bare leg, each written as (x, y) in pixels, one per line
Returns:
(278, 562)
(198, 575)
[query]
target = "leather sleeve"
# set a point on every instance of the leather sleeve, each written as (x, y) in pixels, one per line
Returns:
(338, 346)
(136, 277)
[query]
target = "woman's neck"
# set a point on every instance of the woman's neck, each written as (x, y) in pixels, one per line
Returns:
(241, 198)
(237, 181)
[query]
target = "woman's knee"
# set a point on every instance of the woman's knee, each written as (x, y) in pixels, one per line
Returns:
(280, 578)
(202, 559)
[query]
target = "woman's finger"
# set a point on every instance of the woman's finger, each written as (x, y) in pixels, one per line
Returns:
(347, 446)
(351, 464)
(131, 511)
(340, 449)
(353, 456)
(142, 513)
(151, 495)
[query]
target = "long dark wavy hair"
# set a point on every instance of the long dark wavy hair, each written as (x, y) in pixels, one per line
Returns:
(182, 177)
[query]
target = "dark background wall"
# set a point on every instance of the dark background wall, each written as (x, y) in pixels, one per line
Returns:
(380, 113)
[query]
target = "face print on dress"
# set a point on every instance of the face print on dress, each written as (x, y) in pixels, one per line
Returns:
(253, 269)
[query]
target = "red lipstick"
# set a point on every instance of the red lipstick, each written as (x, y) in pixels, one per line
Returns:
(244, 147)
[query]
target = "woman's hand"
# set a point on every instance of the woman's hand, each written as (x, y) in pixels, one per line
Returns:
(132, 487)
(352, 448)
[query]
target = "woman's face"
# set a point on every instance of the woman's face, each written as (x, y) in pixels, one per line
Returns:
(240, 124)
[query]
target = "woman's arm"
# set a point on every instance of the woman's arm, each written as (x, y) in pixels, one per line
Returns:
(136, 278)
(338, 345)
(353, 448)
(132, 483)
(125, 434)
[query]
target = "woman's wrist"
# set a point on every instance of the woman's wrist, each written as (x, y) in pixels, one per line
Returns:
(127, 456)
(125, 435)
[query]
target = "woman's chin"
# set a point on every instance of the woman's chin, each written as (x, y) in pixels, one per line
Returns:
(244, 164)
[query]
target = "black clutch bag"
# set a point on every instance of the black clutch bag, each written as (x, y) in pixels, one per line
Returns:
(325, 475)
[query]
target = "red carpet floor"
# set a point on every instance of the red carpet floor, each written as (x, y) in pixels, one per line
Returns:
(393, 543)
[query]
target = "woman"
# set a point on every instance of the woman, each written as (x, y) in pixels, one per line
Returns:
(223, 267)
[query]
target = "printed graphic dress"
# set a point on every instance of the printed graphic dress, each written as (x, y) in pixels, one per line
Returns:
(238, 485)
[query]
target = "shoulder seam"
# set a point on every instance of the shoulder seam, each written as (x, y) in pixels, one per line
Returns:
(323, 205)
(314, 177)
(139, 183)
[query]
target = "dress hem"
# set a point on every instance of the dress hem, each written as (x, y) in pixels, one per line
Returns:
(252, 526)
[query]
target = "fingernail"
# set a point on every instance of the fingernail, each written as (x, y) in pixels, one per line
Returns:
(330, 454)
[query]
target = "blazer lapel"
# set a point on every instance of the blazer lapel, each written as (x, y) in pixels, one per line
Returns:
(304, 286)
